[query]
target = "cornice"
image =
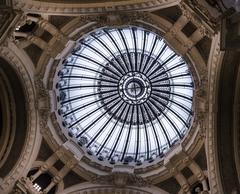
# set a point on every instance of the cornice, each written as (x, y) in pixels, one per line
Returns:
(214, 65)
(80, 8)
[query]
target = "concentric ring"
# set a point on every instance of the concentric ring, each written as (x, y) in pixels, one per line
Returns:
(134, 88)
(125, 95)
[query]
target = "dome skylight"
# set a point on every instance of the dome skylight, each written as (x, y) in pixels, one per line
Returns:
(124, 95)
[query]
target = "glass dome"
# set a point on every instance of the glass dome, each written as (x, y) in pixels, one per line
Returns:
(124, 95)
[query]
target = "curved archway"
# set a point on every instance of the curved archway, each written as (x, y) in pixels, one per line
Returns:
(225, 123)
(14, 123)
(22, 120)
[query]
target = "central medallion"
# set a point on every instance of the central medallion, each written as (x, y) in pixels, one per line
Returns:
(134, 88)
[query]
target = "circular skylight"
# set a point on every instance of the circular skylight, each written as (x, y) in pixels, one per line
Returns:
(124, 95)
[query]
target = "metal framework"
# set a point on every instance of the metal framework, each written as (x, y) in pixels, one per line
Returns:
(124, 95)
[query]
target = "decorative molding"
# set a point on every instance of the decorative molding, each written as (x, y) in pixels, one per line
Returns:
(91, 8)
(89, 188)
(199, 15)
(31, 141)
(214, 64)
(42, 104)
(121, 179)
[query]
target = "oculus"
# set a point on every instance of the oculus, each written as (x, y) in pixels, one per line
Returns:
(124, 95)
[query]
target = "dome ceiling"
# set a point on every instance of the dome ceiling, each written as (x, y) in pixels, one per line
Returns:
(124, 95)
(121, 95)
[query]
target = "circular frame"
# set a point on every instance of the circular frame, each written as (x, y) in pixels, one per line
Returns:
(159, 112)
